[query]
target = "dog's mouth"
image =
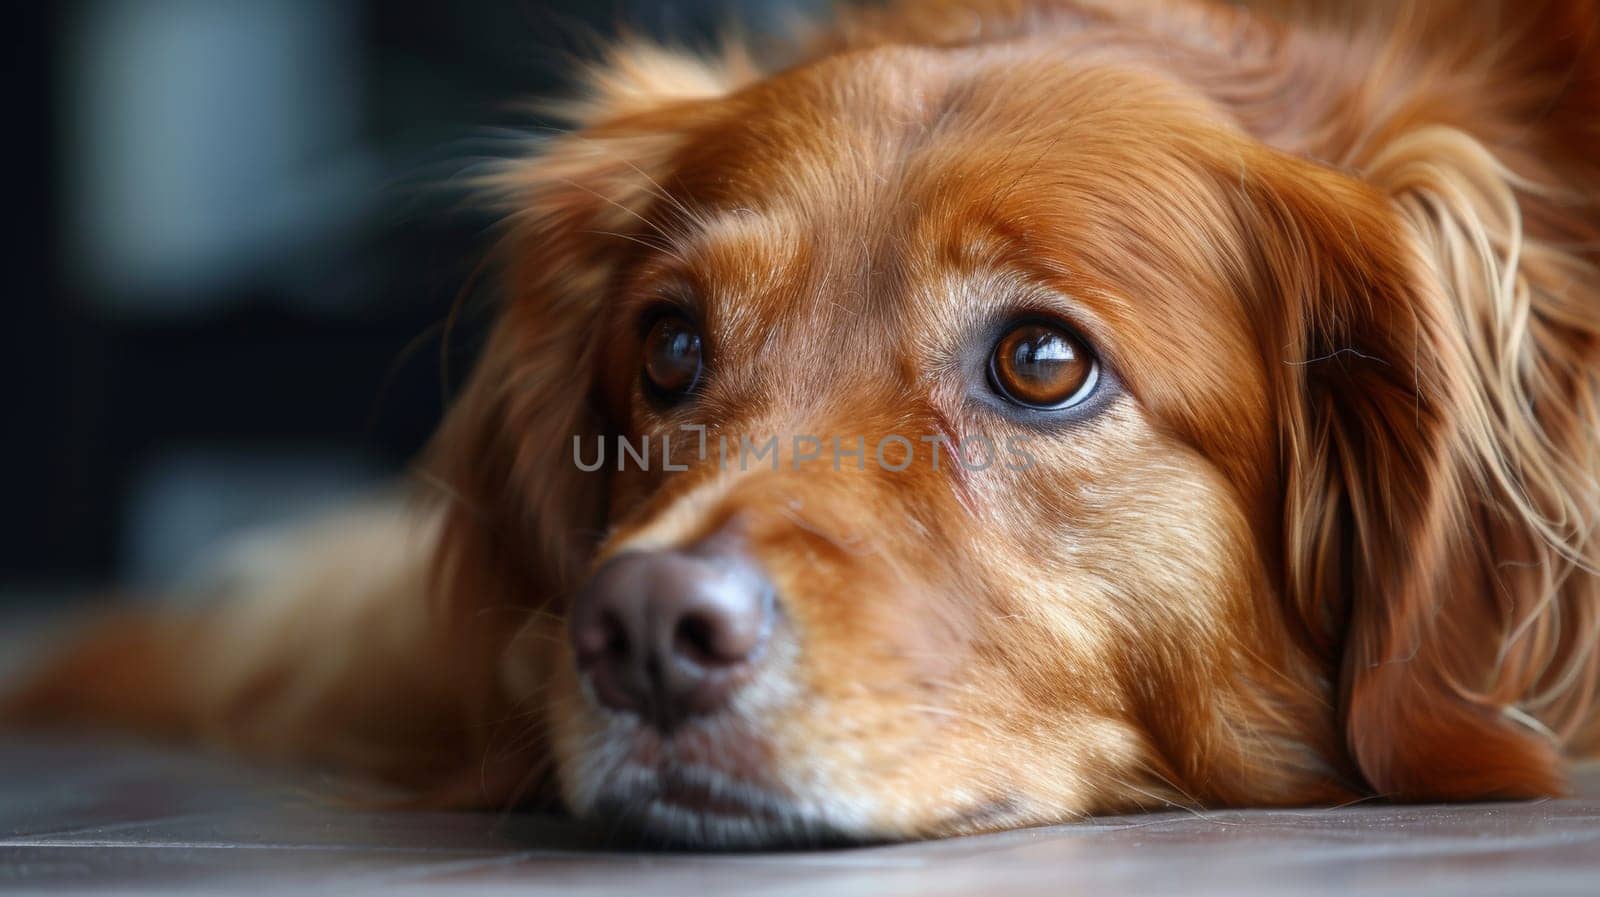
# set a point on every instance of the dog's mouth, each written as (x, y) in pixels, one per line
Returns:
(713, 795)
(697, 807)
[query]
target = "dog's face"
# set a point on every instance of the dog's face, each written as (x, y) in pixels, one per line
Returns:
(898, 256)
(1072, 275)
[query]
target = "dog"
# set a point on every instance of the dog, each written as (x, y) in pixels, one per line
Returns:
(982, 414)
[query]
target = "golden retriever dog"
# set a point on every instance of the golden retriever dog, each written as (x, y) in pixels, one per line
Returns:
(981, 414)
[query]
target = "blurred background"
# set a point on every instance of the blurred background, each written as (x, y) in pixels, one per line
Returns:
(233, 247)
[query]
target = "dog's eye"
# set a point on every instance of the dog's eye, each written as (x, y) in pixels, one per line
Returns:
(1043, 366)
(672, 357)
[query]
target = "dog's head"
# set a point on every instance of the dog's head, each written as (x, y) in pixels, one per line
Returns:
(988, 434)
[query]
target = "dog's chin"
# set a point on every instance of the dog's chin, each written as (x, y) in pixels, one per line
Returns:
(698, 808)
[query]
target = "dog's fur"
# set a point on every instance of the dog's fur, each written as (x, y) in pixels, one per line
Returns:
(1329, 533)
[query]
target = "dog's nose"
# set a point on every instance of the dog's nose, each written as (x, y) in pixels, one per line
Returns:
(671, 635)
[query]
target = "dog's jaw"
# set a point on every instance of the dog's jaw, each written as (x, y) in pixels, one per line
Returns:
(709, 785)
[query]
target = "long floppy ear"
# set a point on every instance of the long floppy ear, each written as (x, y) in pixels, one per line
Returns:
(521, 517)
(1399, 500)
(1440, 407)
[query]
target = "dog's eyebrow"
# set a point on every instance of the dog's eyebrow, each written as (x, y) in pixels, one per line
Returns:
(1015, 285)
(733, 220)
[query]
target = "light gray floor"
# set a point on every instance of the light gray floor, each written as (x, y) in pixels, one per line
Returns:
(94, 815)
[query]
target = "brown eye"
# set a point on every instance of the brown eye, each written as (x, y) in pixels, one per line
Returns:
(1039, 365)
(672, 357)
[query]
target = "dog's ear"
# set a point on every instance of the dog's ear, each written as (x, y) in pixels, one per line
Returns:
(1435, 320)
(1398, 498)
(522, 518)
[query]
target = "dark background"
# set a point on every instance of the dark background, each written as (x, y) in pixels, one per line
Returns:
(233, 242)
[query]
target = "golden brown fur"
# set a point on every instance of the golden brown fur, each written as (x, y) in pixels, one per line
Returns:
(1330, 533)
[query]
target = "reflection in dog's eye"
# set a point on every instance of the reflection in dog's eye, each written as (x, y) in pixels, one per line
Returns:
(1043, 366)
(672, 358)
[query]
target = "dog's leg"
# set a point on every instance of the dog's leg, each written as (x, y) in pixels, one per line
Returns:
(320, 646)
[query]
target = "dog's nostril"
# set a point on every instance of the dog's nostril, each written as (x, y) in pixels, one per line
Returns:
(615, 644)
(696, 640)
